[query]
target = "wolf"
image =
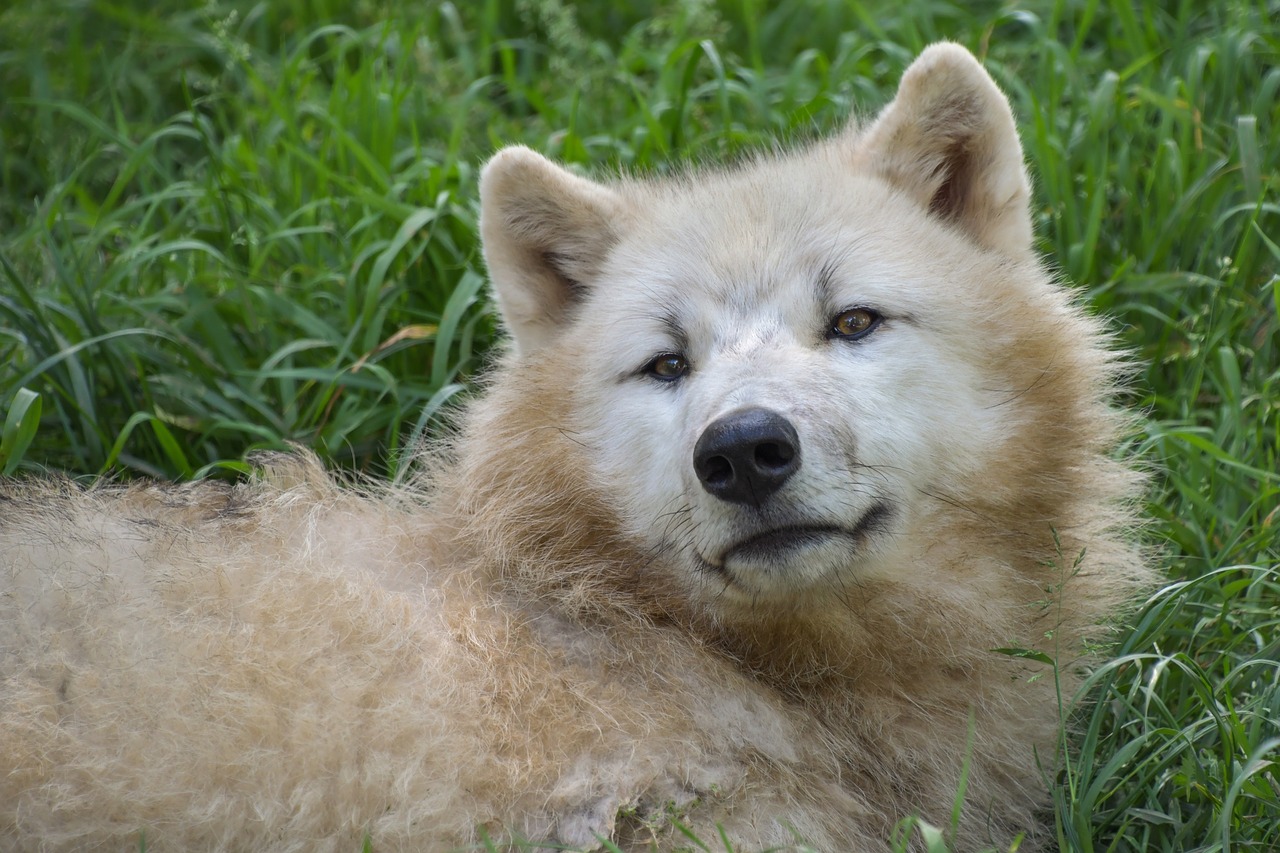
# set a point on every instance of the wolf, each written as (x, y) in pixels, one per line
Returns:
(779, 457)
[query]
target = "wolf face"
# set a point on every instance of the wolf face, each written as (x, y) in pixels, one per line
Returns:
(780, 370)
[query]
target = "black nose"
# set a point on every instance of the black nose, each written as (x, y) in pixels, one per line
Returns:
(746, 456)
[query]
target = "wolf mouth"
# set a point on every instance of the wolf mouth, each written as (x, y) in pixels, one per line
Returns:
(782, 542)
(773, 544)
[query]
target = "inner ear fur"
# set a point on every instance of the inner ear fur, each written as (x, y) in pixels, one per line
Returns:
(546, 233)
(948, 140)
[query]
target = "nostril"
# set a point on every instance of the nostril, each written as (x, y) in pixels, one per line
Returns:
(716, 471)
(772, 456)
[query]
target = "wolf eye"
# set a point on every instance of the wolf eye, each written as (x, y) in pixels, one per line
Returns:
(853, 324)
(668, 367)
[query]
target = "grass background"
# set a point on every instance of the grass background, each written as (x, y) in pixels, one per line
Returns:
(233, 225)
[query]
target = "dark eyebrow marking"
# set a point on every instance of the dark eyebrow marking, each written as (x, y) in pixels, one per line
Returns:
(679, 343)
(826, 283)
(678, 335)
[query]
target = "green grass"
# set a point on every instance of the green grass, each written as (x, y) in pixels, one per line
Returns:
(237, 225)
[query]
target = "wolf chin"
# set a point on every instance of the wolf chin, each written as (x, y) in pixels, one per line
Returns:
(777, 458)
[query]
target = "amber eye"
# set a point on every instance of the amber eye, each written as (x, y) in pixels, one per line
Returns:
(668, 367)
(853, 323)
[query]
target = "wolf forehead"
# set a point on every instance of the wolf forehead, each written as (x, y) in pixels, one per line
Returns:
(744, 228)
(766, 230)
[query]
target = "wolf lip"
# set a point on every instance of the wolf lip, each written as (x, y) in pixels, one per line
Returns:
(774, 543)
(780, 541)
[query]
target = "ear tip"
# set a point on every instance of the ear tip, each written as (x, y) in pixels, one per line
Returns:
(509, 160)
(945, 55)
(947, 52)
(946, 71)
(514, 153)
(946, 59)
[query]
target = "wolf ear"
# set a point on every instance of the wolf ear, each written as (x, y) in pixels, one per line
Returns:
(546, 233)
(948, 140)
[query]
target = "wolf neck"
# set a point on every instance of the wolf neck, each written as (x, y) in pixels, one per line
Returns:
(522, 514)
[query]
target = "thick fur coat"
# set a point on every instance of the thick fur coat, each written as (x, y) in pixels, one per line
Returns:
(778, 457)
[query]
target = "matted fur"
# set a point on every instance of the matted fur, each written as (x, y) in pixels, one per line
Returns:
(555, 634)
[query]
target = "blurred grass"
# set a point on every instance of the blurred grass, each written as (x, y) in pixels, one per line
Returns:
(237, 224)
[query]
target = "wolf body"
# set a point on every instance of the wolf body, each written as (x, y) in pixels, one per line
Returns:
(778, 456)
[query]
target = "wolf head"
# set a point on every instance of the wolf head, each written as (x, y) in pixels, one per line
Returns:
(779, 374)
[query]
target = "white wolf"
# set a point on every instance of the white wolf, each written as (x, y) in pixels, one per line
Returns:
(778, 457)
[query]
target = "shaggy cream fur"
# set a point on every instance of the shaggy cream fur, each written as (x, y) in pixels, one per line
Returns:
(554, 634)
